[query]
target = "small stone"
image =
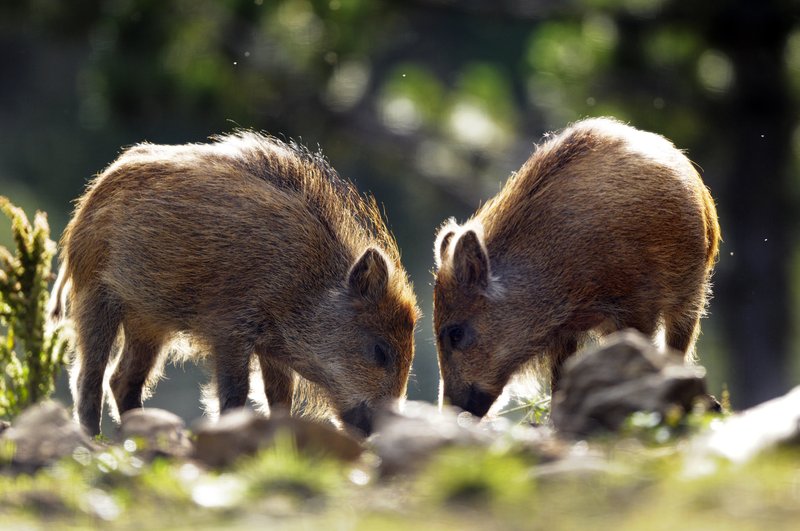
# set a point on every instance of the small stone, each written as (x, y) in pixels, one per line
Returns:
(155, 432)
(242, 432)
(43, 434)
(404, 441)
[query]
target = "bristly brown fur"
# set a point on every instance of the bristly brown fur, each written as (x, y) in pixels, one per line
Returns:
(335, 200)
(248, 245)
(604, 227)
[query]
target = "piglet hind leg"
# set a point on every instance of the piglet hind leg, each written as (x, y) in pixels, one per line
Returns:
(682, 327)
(97, 319)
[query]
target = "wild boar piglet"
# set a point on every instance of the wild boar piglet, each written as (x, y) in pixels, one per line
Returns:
(252, 247)
(605, 227)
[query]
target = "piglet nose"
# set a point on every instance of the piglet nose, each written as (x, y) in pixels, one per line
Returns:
(471, 399)
(360, 418)
(478, 401)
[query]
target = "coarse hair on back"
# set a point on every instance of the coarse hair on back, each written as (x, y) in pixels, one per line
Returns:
(292, 167)
(539, 172)
(350, 217)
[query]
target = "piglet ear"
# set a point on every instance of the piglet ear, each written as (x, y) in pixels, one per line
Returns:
(443, 238)
(470, 262)
(369, 276)
(442, 241)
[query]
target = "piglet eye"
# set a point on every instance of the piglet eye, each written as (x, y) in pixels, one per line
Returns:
(381, 355)
(456, 335)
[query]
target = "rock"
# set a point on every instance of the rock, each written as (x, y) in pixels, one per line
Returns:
(43, 434)
(404, 441)
(627, 373)
(741, 437)
(242, 432)
(4, 425)
(156, 432)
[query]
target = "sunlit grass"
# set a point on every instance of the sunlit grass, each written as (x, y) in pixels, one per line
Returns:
(534, 411)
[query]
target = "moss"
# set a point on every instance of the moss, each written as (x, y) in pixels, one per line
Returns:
(476, 477)
(281, 468)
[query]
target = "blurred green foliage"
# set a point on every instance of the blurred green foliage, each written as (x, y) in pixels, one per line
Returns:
(31, 351)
